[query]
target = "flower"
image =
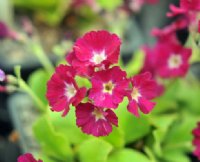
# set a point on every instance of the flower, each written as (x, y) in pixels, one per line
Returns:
(196, 140)
(27, 158)
(150, 65)
(95, 120)
(62, 90)
(190, 5)
(143, 89)
(168, 33)
(199, 27)
(173, 60)
(95, 50)
(108, 87)
(2, 76)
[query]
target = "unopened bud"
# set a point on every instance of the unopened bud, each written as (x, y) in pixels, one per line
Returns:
(10, 89)
(11, 79)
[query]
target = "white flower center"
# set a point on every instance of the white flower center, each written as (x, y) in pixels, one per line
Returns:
(70, 91)
(98, 57)
(135, 94)
(108, 87)
(98, 114)
(174, 61)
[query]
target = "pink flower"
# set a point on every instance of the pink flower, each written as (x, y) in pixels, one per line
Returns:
(27, 158)
(108, 87)
(173, 60)
(190, 4)
(199, 27)
(150, 65)
(143, 90)
(62, 90)
(196, 141)
(168, 33)
(95, 50)
(94, 120)
(2, 76)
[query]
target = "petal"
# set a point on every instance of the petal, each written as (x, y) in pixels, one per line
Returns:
(79, 96)
(133, 108)
(145, 105)
(112, 117)
(27, 158)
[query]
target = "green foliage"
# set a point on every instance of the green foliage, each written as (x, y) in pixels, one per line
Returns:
(134, 128)
(188, 94)
(67, 126)
(116, 138)
(83, 82)
(49, 11)
(94, 150)
(109, 5)
(127, 155)
(53, 144)
(175, 156)
(179, 137)
(37, 82)
(162, 124)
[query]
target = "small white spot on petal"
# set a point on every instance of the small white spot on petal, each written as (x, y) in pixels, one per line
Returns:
(98, 114)
(174, 61)
(135, 94)
(70, 91)
(108, 87)
(98, 57)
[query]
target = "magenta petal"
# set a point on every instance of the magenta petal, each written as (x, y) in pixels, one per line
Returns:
(95, 121)
(112, 117)
(27, 158)
(145, 105)
(133, 108)
(80, 96)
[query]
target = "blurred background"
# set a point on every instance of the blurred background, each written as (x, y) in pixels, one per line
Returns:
(56, 24)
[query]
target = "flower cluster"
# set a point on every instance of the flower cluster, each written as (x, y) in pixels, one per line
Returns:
(196, 141)
(95, 57)
(27, 158)
(169, 58)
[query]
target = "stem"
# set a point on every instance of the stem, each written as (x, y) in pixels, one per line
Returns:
(28, 90)
(42, 57)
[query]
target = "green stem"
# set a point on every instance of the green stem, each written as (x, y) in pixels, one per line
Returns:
(42, 57)
(28, 90)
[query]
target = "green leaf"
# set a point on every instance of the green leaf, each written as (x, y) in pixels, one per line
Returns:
(175, 156)
(127, 155)
(135, 64)
(116, 138)
(109, 5)
(54, 144)
(134, 128)
(162, 123)
(17, 70)
(94, 150)
(37, 82)
(179, 136)
(83, 82)
(168, 101)
(188, 94)
(67, 126)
